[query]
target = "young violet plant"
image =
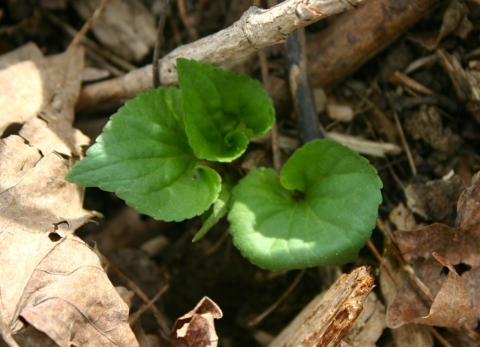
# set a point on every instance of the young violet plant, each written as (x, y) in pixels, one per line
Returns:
(320, 210)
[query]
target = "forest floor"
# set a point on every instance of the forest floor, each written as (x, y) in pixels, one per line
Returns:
(402, 88)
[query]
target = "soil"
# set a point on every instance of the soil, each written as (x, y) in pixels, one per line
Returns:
(442, 134)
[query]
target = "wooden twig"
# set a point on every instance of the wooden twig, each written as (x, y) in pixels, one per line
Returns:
(257, 28)
(156, 51)
(160, 318)
(184, 17)
(277, 302)
(355, 37)
(300, 88)
(89, 43)
(134, 316)
(326, 320)
(406, 147)
(86, 27)
(277, 158)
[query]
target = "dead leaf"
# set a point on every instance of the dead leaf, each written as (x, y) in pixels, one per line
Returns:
(435, 200)
(406, 335)
(454, 21)
(403, 218)
(465, 81)
(126, 27)
(427, 125)
(196, 328)
(49, 278)
(453, 304)
(32, 337)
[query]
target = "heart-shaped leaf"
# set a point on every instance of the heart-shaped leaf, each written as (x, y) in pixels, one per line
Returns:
(320, 212)
(223, 110)
(144, 157)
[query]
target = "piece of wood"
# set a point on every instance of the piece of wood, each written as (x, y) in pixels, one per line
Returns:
(325, 321)
(256, 29)
(357, 36)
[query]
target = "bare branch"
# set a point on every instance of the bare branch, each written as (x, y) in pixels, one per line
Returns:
(256, 29)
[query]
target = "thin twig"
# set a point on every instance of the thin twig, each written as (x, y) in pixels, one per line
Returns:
(277, 159)
(156, 52)
(89, 43)
(88, 23)
(282, 297)
(160, 318)
(134, 316)
(217, 244)
(103, 63)
(182, 10)
(382, 262)
(257, 28)
(405, 145)
(439, 337)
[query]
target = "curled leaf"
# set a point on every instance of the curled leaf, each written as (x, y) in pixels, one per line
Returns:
(223, 110)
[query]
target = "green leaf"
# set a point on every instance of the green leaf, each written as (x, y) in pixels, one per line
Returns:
(223, 110)
(218, 210)
(144, 157)
(320, 212)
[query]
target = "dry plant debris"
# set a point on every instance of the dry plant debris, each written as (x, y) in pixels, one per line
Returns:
(428, 250)
(126, 27)
(47, 272)
(196, 328)
(419, 100)
(326, 320)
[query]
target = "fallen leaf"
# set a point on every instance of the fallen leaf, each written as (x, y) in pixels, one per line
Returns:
(126, 27)
(435, 200)
(49, 278)
(196, 328)
(465, 81)
(453, 305)
(406, 335)
(403, 218)
(454, 21)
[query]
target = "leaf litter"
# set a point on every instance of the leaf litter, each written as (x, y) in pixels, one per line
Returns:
(455, 23)
(429, 250)
(47, 272)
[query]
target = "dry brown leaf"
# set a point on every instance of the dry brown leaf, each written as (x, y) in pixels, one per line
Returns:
(456, 246)
(409, 334)
(126, 27)
(427, 125)
(435, 200)
(454, 21)
(452, 306)
(403, 218)
(465, 81)
(196, 328)
(49, 278)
